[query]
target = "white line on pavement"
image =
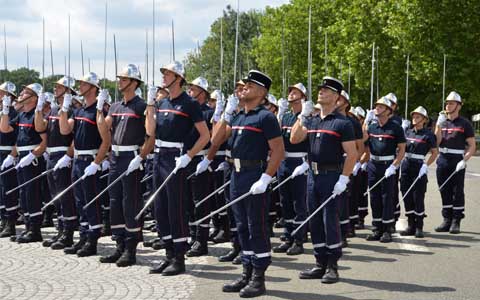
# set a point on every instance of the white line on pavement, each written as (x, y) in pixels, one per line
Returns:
(409, 243)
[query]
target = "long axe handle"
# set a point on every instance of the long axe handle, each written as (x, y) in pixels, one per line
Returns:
(105, 189)
(154, 195)
(196, 223)
(282, 183)
(410, 188)
(29, 181)
(146, 178)
(7, 171)
(212, 194)
(445, 182)
(63, 193)
(104, 176)
(374, 186)
(313, 214)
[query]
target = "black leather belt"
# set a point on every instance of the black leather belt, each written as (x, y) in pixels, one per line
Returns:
(240, 164)
(324, 168)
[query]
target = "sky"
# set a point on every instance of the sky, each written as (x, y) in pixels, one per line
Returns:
(129, 20)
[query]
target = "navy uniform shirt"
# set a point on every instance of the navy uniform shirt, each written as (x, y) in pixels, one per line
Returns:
(176, 117)
(455, 133)
(27, 135)
(10, 138)
(383, 140)
(251, 132)
(128, 122)
(85, 131)
(193, 136)
(396, 119)
(357, 127)
(288, 121)
(325, 138)
(54, 137)
(420, 141)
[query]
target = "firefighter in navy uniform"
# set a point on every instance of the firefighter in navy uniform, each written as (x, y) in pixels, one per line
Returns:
(58, 146)
(361, 178)
(9, 203)
(329, 136)
(90, 147)
(126, 122)
(293, 192)
(170, 121)
(420, 141)
(200, 184)
(252, 133)
(386, 147)
(31, 143)
(456, 142)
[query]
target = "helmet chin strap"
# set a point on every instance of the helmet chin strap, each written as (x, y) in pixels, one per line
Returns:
(171, 83)
(82, 94)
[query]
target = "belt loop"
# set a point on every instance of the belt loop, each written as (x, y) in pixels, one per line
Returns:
(315, 168)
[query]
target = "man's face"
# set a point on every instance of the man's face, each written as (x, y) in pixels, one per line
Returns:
(212, 103)
(125, 84)
(161, 94)
(239, 90)
(295, 95)
(252, 91)
(84, 87)
(381, 110)
(326, 96)
(168, 78)
(418, 119)
(452, 106)
(194, 91)
(59, 90)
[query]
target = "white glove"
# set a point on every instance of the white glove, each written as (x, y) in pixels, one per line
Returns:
(442, 118)
(27, 160)
(134, 164)
(101, 99)
(222, 166)
(105, 165)
(67, 101)
(423, 170)
(231, 107)
(152, 95)
(182, 161)
(202, 166)
(460, 166)
(307, 108)
(7, 162)
(364, 167)
(301, 169)
(356, 168)
(405, 124)
(260, 186)
(390, 171)
(370, 116)
(45, 156)
(341, 185)
(218, 109)
(282, 107)
(92, 169)
(63, 162)
(6, 101)
(41, 102)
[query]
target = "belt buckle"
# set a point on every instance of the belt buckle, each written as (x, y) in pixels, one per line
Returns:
(236, 164)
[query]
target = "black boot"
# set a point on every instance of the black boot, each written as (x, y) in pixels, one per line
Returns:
(89, 249)
(198, 249)
(106, 229)
(280, 223)
(455, 227)
(230, 256)
(76, 247)
(410, 230)
(50, 241)
(386, 237)
(256, 285)
(48, 217)
(221, 237)
(149, 243)
(14, 238)
(176, 267)
(32, 236)
(360, 224)
(9, 229)
(316, 272)
(157, 245)
(295, 249)
(128, 257)
(419, 228)
(445, 226)
(331, 276)
(112, 258)
(375, 236)
(3, 223)
(237, 260)
(66, 240)
(237, 285)
(164, 263)
(283, 247)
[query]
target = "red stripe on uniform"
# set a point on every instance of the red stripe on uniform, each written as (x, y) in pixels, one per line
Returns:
(247, 128)
(459, 129)
(86, 120)
(416, 140)
(387, 136)
(52, 117)
(175, 112)
(25, 125)
(325, 131)
(125, 115)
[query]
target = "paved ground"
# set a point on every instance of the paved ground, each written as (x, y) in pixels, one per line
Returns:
(441, 266)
